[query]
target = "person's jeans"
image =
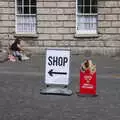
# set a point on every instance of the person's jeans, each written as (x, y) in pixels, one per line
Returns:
(17, 54)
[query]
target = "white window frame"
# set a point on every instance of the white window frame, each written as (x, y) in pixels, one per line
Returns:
(84, 14)
(16, 16)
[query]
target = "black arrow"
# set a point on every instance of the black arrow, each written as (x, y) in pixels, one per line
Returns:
(51, 73)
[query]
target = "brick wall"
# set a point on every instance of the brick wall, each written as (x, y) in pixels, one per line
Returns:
(109, 16)
(7, 21)
(56, 27)
(109, 25)
(56, 21)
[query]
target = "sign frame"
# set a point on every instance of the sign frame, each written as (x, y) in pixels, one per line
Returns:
(59, 74)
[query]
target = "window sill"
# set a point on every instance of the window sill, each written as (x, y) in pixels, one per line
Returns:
(26, 35)
(85, 35)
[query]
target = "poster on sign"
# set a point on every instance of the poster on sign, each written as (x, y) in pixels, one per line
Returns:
(57, 72)
(57, 66)
(88, 78)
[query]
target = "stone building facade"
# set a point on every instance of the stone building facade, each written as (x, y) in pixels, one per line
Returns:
(55, 24)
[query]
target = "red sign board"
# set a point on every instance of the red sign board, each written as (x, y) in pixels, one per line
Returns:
(88, 82)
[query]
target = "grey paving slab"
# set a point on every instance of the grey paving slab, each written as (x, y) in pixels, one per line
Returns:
(20, 97)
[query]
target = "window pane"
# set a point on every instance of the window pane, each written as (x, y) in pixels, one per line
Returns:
(80, 9)
(86, 23)
(87, 9)
(26, 2)
(33, 2)
(87, 2)
(19, 10)
(94, 2)
(33, 10)
(26, 24)
(19, 2)
(80, 2)
(94, 9)
(26, 10)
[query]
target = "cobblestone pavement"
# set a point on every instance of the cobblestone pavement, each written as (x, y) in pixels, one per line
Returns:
(20, 97)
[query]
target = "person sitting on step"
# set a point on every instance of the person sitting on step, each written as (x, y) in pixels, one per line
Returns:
(17, 49)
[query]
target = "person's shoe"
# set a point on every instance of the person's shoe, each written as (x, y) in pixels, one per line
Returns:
(19, 58)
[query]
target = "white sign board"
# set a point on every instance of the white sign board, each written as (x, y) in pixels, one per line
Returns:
(57, 66)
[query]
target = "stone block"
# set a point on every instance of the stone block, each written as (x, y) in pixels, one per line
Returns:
(60, 11)
(69, 24)
(90, 43)
(104, 24)
(112, 43)
(3, 17)
(5, 42)
(3, 56)
(43, 11)
(47, 30)
(104, 10)
(72, 17)
(72, 4)
(56, 24)
(39, 43)
(72, 30)
(70, 11)
(11, 17)
(49, 4)
(3, 30)
(56, 37)
(44, 36)
(63, 43)
(111, 17)
(11, 29)
(62, 17)
(40, 4)
(115, 23)
(111, 3)
(12, 4)
(62, 4)
(46, 17)
(43, 24)
(101, 4)
(53, 11)
(101, 30)
(101, 17)
(7, 23)
(3, 36)
(50, 43)
(116, 10)
(3, 10)
(62, 30)
(50, 24)
(6, 10)
(3, 4)
(118, 30)
(68, 36)
(111, 30)
(118, 17)
(73, 43)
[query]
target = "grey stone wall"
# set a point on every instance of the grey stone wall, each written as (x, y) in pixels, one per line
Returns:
(56, 27)
(7, 22)
(109, 26)
(56, 21)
